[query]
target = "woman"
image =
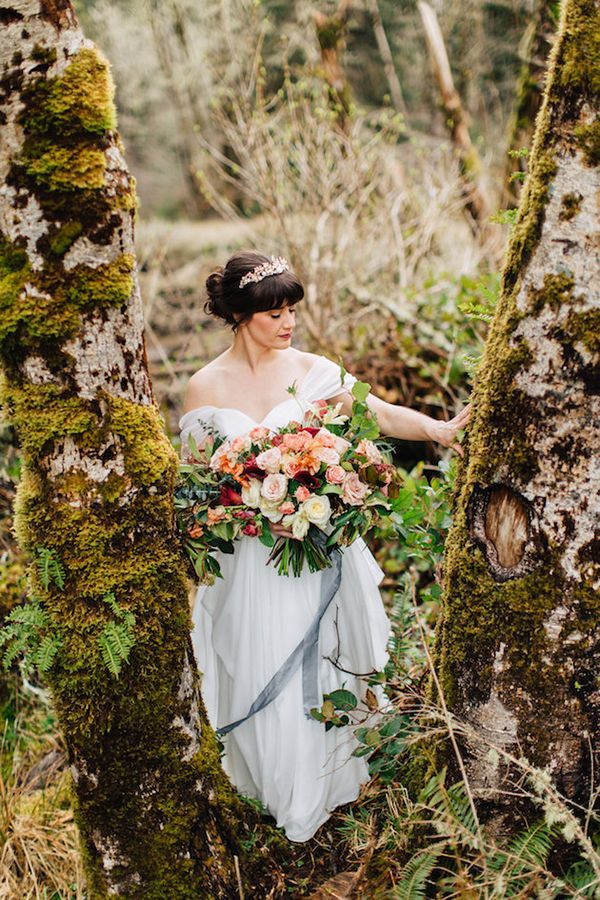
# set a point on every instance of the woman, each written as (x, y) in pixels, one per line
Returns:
(247, 624)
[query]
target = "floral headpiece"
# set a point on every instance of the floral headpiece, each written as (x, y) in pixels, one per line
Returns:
(277, 265)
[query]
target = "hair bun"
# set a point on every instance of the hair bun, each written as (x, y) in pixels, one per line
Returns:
(214, 288)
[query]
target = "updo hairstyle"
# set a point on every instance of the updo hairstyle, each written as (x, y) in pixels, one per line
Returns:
(236, 305)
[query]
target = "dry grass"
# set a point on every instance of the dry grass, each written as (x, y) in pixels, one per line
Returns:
(39, 852)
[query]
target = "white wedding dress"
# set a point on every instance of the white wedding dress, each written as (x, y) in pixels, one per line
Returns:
(247, 624)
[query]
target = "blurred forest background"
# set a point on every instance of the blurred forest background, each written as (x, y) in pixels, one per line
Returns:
(318, 130)
(332, 133)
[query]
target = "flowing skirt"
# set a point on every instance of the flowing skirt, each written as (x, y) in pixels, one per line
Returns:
(245, 627)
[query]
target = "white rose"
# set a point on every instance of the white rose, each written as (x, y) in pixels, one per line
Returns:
(298, 523)
(274, 488)
(340, 444)
(327, 455)
(251, 493)
(317, 509)
(270, 510)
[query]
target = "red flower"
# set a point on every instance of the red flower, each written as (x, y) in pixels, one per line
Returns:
(251, 528)
(229, 496)
(312, 431)
(308, 480)
(276, 440)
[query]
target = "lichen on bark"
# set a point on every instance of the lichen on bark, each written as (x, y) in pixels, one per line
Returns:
(518, 647)
(157, 815)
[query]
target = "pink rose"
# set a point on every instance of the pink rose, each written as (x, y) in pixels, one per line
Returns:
(368, 449)
(327, 455)
(302, 493)
(297, 442)
(287, 508)
(335, 475)
(250, 529)
(325, 438)
(274, 488)
(240, 443)
(291, 465)
(259, 434)
(354, 489)
(269, 460)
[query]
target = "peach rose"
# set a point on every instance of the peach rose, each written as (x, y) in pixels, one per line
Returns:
(240, 443)
(274, 488)
(355, 490)
(335, 475)
(302, 493)
(287, 508)
(216, 515)
(291, 464)
(297, 442)
(325, 438)
(269, 460)
(259, 434)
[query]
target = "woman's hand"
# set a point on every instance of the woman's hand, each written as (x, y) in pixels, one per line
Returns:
(444, 433)
(281, 531)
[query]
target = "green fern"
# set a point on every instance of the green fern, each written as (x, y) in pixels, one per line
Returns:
(26, 635)
(50, 568)
(414, 878)
(582, 880)
(117, 637)
(45, 654)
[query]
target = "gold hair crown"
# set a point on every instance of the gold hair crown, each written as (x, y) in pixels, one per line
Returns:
(277, 265)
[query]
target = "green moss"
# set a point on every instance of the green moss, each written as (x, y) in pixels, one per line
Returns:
(331, 32)
(580, 56)
(588, 139)
(79, 100)
(556, 291)
(51, 306)
(570, 205)
(77, 167)
(43, 55)
(65, 237)
(584, 328)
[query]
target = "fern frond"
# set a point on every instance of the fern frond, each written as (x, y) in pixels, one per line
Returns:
(50, 567)
(582, 879)
(110, 599)
(414, 878)
(46, 652)
(116, 641)
(532, 846)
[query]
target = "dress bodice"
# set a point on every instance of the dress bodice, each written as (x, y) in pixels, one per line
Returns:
(322, 381)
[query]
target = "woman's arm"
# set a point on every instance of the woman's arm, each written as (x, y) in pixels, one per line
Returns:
(410, 425)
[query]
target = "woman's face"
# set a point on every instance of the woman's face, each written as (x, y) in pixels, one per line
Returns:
(273, 327)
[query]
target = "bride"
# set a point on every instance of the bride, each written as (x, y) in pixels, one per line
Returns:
(248, 623)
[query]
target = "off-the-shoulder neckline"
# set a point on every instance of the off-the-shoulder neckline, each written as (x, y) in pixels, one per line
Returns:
(241, 412)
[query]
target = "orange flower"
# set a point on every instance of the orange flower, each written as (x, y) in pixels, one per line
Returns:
(196, 531)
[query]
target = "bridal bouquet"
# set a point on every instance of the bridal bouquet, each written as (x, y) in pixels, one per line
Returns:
(324, 479)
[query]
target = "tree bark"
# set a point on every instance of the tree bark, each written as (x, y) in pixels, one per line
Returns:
(478, 202)
(158, 817)
(331, 35)
(518, 648)
(530, 88)
(388, 60)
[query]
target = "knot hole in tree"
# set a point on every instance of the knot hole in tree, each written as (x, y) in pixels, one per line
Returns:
(501, 523)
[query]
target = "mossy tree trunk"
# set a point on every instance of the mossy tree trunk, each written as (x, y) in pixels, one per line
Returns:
(518, 648)
(157, 816)
(536, 44)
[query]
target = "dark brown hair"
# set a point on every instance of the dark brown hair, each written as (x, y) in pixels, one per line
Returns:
(236, 305)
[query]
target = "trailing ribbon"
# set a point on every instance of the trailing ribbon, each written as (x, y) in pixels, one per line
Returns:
(305, 653)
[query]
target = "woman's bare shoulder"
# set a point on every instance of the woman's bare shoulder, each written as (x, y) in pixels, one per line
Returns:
(202, 388)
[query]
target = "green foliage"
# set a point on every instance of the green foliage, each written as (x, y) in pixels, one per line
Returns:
(27, 637)
(414, 879)
(117, 637)
(50, 568)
